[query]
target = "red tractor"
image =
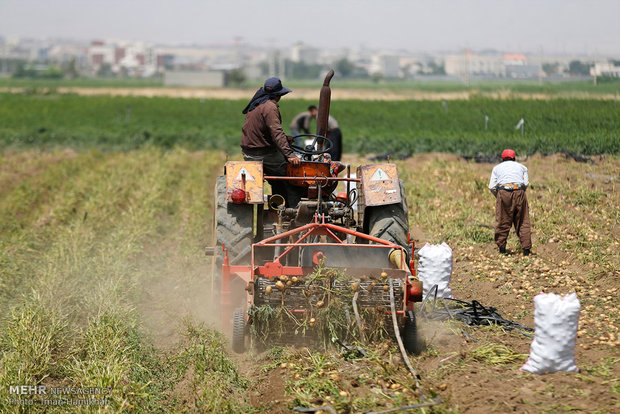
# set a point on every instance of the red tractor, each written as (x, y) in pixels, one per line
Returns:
(265, 251)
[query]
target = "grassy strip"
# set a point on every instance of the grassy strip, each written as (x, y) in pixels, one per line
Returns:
(548, 87)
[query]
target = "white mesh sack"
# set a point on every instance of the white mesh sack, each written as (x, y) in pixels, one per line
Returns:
(435, 268)
(555, 330)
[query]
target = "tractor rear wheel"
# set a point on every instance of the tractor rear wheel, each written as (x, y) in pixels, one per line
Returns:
(233, 227)
(238, 336)
(390, 222)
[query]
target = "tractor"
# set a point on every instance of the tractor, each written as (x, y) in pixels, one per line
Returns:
(264, 250)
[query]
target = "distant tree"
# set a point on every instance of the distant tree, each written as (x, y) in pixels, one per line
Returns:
(70, 70)
(437, 69)
(407, 71)
(302, 70)
(360, 72)
(22, 71)
(377, 77)
(550, 68)
(264, 68)
(52, 72)
(577, 67)
(235, 77)
(29, 71)
(105, 70)
(344, 67)
(614, 62)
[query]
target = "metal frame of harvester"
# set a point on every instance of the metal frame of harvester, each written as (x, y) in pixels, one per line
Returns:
(258, 240)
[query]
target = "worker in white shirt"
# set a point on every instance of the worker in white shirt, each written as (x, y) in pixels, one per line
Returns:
(509, 181)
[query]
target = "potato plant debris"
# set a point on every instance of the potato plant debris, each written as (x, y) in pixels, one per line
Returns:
(328, 294)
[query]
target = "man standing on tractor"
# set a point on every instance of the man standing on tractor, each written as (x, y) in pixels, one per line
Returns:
(509, 181)
(263, 138)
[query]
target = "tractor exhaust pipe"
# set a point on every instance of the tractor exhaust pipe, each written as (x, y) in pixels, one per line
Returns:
(324, 102)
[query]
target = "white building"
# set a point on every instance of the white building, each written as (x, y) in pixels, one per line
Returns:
(469, 64)
(605, 69)
(304, 53)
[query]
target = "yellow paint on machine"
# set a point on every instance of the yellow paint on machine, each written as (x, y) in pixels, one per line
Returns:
(379, 184)
(253, 171)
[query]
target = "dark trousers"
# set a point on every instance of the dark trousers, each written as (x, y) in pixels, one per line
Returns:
(335, 137)
(511, 208)
(274, 164)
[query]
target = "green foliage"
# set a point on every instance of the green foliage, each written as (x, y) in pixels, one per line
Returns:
(34, 72)
(550, 68)
(615, 80)
(302, 70)
(30, 339)
(577, 67)
(125, 123)
(212, 375)
(496, 354)
(235, 77)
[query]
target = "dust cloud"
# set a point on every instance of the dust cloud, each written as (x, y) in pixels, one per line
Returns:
(176, 289)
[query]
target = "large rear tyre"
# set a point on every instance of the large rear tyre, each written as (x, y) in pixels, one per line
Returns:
(412, 340)
(238, 337)
(390, 222)
(233, 227)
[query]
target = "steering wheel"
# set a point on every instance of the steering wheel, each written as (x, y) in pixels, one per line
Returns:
(306, 151)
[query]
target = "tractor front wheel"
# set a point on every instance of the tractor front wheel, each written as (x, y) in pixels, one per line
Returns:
(413, 342)
(238, 336)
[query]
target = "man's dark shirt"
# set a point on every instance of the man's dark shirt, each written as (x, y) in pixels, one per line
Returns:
(263, 129)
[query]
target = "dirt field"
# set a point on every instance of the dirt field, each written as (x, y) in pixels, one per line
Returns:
(111, 246)
(568, 233)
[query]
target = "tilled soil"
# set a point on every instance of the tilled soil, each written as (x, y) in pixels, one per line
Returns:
(575, 220)
(575, 250)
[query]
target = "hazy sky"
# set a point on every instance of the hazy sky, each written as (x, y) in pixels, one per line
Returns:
(574, 26)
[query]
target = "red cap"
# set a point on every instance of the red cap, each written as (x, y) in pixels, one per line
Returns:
(508, 153)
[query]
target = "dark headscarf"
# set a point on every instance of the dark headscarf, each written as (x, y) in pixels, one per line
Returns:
(272, 89)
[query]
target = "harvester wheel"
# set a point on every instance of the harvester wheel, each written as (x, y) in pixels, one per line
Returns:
(233, 228)
(390, 222)
(412, 341)
(238, 337)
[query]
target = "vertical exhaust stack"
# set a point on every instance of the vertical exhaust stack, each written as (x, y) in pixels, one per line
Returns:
(324, 102)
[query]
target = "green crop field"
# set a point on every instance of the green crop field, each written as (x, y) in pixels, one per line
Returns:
(125, 123)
